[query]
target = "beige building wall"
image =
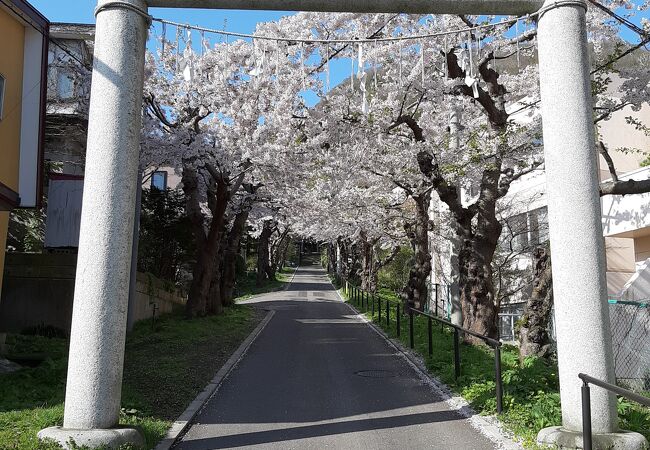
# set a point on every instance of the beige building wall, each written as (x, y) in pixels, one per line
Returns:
(620, 263)
(617, 133)
(642, 248)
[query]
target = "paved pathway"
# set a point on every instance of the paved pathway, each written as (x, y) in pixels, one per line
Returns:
(317, 377)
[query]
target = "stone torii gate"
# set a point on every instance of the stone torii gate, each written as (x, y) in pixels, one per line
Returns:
(92, 402)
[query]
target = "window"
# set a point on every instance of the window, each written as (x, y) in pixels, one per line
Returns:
(519, 231)
(539, 226)
(159, 180)
(2, 94)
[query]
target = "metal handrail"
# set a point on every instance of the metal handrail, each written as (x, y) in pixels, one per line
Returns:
(587, 437)
(487, 339)
(355, 294)
(496, 345)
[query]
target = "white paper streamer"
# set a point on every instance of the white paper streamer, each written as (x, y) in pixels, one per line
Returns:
(188, 58)
(400, 63)
(446, 62)
(302, 65)
(163, 39)
(361, 75)
(352, 72)
(422, 60)
(517, 34)
(374, 65)
(277, 63)
(178, 48)
(327, 68)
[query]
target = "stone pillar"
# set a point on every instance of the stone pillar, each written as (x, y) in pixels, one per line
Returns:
(578, 252)
(93, 390)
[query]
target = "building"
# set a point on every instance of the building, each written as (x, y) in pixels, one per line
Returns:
(68, 94)
(23, 72)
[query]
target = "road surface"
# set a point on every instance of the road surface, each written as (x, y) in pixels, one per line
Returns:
(318, 377)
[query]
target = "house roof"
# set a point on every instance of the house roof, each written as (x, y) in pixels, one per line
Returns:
(27, 13)
(62, 30)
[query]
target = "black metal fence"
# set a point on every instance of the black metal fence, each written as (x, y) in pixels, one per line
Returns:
(371, 302)
(586, 403)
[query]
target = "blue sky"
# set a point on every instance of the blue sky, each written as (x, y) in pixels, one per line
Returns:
(81, 11)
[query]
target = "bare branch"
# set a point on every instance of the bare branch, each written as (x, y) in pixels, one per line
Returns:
(608, 159)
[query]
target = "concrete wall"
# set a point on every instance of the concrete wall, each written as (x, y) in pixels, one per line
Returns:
(39, 289)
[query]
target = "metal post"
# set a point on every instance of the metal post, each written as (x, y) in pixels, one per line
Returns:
(456, 353)
(586, 417)
(435, 286)
(387, 313)
(411, 336)
(379, 308)
(373, 305)
(430, 332)
(398, 316)
(498, 379)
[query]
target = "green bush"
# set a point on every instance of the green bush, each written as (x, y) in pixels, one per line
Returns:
(394, 276)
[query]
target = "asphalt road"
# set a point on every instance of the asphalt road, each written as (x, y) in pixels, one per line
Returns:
(318, 377)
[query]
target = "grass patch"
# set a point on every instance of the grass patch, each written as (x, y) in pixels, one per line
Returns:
(164, 370)
(247, 286)
(531, 399)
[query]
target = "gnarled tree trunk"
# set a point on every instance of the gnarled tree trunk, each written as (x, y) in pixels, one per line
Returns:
(264, 271)
(416, 292)
(533, 325)
(207, 244)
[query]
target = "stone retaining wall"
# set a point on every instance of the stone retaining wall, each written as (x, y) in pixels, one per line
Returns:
(39, 289)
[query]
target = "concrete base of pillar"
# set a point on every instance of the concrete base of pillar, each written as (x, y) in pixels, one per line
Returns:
(558, 437)
(110, 438)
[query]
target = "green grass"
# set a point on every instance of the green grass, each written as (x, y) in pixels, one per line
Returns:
(246, 285)
(164, 370)
(531, 397)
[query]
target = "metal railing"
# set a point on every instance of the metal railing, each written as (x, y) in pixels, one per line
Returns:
(372, 302)
(586, 403)
(495, 344)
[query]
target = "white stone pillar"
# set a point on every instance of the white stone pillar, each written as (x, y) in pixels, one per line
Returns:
(577, 244)
(93, 390)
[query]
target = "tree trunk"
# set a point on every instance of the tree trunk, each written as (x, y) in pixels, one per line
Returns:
(278, 249)
(331, 258)
(344, 269)
(207, 246)
(477, 291)
(231, 249)
(366, 249)
(533, 325)
(415, 293)
(479, 237)
(215, 306)
(264, 271)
